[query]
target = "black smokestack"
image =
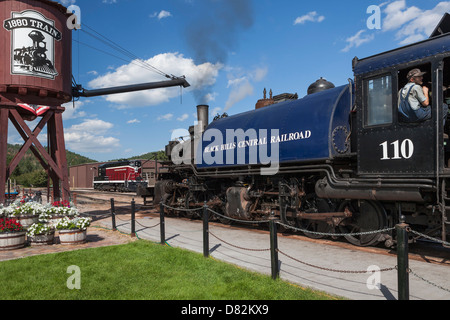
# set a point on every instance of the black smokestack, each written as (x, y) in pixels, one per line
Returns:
(203, 116)
(213, 36)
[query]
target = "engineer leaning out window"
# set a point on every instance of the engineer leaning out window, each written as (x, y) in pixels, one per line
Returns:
(414, 100)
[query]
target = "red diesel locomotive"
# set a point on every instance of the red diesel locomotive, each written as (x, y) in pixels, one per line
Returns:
(121, 176)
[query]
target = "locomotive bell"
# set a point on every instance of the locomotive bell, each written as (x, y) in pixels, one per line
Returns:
(320, 85)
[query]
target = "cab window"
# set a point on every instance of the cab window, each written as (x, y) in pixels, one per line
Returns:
(378, 101)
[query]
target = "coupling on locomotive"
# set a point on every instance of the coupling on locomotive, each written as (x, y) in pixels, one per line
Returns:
(343, 159)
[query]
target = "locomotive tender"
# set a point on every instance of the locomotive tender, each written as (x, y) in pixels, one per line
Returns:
(336, 161)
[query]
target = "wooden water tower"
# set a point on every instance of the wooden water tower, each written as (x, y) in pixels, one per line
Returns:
(35, 80)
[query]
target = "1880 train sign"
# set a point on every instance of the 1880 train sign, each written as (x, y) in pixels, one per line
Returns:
(33, 39)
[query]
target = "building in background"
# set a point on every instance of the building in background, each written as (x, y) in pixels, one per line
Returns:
(82, 176)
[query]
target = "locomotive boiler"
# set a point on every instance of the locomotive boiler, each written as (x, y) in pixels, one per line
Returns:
(338, 160)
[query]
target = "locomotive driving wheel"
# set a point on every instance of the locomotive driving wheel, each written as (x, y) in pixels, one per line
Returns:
(312, 204)
(367, 216)
(191, 197)
(166, 200)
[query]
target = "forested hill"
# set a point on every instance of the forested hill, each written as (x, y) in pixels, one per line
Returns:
(30, 172)
(157, 155)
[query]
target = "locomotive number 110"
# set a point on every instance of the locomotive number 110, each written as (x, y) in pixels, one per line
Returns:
(405, 150)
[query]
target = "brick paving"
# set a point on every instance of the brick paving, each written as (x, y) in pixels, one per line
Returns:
(96, 237)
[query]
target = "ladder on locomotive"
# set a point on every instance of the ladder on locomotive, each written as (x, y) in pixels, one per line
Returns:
(444, 208)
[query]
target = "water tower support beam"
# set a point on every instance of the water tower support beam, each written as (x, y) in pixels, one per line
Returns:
(58, 155)
(55, 162)
(28, 141)
(4, 113)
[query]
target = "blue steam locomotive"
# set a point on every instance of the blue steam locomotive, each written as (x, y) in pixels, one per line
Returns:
(339, 160)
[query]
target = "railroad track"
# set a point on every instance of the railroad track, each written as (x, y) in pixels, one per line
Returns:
(99, 197)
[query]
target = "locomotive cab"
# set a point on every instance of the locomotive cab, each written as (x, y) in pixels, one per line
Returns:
(387, 146)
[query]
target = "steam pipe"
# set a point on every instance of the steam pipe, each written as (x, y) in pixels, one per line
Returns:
(78, 91)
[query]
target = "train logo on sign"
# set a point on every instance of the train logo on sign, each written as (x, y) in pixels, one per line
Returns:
(33, 39)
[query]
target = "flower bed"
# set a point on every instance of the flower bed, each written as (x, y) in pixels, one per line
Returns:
(73, 224)
(10, 226)
(73, 231)
(12, 234)
(41, 213)
(40, 221)
(41, 234)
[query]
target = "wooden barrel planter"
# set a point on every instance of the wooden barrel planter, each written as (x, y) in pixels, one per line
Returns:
(12, 241)
(56, 218)
(72, 237)
(28, 221)
(42, 239)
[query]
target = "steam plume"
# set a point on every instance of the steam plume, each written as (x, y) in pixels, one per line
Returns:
(212, 36)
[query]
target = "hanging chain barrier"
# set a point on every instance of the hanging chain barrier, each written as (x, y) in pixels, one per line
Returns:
(238, 247)
(330, 234)
(429, 238)
(205, 210)
(333, 270)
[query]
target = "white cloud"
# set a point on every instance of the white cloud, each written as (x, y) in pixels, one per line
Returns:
(413, 24)
(161, 15)
(89, 136)
(73, 110)
(199, 76)
(133, 121)
(310, 17)
(240, 82)
(93, 126)
(397, 15)
(260, 73)
(67, 3)
(184, 117)
(166, 117)
(358, 39)
(239, 93)
(236, 82)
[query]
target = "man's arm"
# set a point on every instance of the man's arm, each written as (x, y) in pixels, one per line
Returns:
(426, 93)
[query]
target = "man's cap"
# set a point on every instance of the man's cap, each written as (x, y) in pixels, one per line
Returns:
(415, 73)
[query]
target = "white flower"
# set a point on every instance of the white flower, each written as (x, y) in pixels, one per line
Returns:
(39, 229)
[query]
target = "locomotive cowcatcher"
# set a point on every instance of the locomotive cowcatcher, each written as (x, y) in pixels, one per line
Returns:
(345, 162)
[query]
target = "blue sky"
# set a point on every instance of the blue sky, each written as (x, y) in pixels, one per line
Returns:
(228, 50)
